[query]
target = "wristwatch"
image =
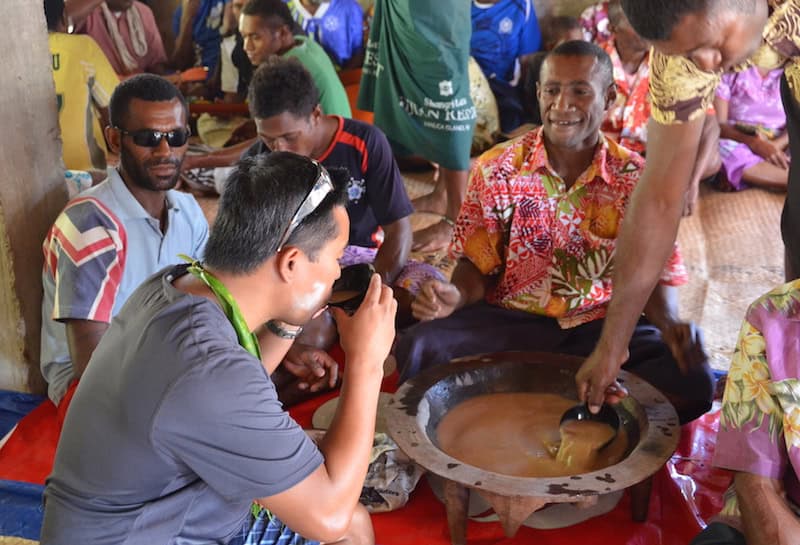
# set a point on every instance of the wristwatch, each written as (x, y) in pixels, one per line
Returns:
(282, 330)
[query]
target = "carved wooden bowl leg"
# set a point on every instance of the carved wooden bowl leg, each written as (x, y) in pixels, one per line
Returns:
(512, 510)
(456, 502)
(640, 499)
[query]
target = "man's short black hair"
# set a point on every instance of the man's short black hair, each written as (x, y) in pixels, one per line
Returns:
(260, 198)
(54, 13)
(656, 19)
(275, 12)
(282, 85)
(147, 87)
(579, 48)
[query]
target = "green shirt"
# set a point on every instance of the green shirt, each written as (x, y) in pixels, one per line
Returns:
(332, 96)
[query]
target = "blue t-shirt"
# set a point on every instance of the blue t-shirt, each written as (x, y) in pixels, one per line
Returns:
(501, 33)
(205, 31)
(338, 26)
(375, 193)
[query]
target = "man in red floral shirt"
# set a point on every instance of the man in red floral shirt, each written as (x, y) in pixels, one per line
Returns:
(535, 243)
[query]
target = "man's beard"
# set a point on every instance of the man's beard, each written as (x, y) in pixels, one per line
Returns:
(138, 174)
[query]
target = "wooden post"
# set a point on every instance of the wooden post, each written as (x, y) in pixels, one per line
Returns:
(32, 189)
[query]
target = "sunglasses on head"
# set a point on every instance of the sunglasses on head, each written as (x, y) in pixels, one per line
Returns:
(149, 138)
(321, 188)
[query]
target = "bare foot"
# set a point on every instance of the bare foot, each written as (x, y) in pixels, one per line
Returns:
(690, 201)
(434, 202)
(433, 238)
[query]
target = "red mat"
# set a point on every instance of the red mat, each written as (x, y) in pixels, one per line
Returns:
(686, 492)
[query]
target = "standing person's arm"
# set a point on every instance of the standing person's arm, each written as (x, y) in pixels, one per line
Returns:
(646, 241)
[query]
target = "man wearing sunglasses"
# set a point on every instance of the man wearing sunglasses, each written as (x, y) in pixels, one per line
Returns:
(113, 236)
(179, 393)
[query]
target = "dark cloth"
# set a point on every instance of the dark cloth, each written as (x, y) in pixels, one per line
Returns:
(790, 219)
(531, 68)
(509, 105)
(718, 533)
(376, 194)
(483, 328)
(242, 63)
(173, 431)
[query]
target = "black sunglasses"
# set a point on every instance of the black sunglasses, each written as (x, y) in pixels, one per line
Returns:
(149, 138)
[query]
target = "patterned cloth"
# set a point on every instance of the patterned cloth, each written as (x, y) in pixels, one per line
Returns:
(626, 120)
(411, 277)
(681, 92)
(755, 102)
(551, 247)
(760, 421)
(267, 529)
(594, 21)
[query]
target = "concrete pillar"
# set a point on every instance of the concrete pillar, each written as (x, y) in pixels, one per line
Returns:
(32, 190)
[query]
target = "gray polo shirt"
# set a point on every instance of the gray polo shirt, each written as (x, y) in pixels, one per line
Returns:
(174, 429)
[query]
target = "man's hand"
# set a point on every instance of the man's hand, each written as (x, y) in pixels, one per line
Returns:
(314, 367)
(685, 341)
(435, 300)
(367, 336)
(769, 152)
(597, 380)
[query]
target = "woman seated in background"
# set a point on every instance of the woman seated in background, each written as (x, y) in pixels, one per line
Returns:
(753, 139)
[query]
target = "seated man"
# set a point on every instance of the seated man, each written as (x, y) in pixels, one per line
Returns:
(503, 31)
(285, 105)
(116, 234)
(266, 27)
(535, 242)
(337, 25)
(127, 32)
(759, 431)
(84, 80)
(204, 434)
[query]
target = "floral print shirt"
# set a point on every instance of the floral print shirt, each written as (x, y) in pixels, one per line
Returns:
(760, 420)
(626, 119)
(551, 248)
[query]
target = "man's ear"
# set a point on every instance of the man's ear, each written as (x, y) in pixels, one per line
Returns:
(316, 114)
(287, 262)
(611, 95)
(114, 138)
